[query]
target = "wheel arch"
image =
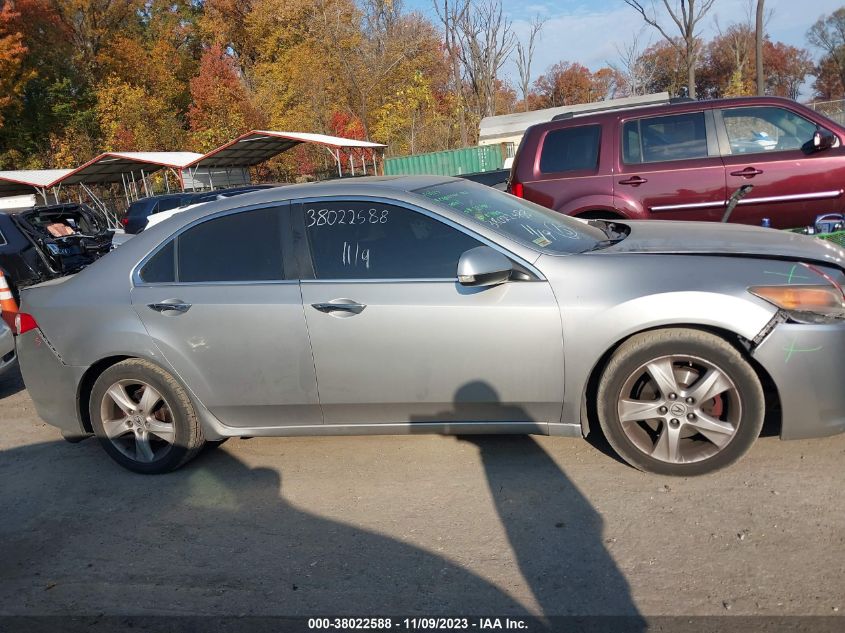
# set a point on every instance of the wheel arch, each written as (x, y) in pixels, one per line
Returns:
(86, 385)
(772, 424)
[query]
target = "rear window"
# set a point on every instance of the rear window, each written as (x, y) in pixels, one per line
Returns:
(664, 138)
(166, 204)
(571, 149)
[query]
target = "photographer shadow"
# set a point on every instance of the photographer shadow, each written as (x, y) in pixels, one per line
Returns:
(553, 531)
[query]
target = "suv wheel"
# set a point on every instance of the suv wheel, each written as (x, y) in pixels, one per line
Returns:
(144, 418)
(680, 402)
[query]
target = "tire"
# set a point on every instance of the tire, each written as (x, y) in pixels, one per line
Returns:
(144, 418)
(680, 402)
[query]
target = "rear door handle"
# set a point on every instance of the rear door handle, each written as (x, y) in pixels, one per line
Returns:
(340, 305)
(633, 180)
(748, 172)
(170, 305)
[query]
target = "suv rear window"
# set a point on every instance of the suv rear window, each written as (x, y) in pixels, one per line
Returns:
(571, 149)
(664, 138)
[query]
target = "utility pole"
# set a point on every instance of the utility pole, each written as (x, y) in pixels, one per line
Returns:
(761, 79)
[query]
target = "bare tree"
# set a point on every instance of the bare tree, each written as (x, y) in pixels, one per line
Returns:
(636, 72)
(758, 39)
(686, 15)
(486, 42)
(524, 57)
(451, 14)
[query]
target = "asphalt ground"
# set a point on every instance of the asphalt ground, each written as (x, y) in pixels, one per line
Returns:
(421, 525)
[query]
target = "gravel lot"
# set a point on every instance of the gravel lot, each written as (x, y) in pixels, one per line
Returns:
(422, 524)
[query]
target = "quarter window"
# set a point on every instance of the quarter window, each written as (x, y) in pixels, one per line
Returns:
(161, 267)
(371, 240)
(571, 149)
(665, 138)
(762, 129)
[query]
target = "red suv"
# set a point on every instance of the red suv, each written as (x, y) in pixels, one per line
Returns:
(683, 161)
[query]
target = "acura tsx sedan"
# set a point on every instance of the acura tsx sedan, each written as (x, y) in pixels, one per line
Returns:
(438, 305)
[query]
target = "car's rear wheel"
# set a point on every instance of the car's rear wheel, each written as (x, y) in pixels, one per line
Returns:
(143, 418)
(680, 402)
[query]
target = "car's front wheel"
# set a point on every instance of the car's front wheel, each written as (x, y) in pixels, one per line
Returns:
(143, 418)
(680, 402)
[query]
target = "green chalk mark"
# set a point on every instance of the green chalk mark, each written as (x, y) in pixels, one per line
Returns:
(789, 276)
(791, 350)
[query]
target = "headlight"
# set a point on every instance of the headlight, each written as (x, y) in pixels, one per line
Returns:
(806, 304)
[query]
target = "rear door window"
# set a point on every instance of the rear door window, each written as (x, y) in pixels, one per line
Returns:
(239, 247)
(571, 149)
(373, 240)
(761, 129)
(664, 138)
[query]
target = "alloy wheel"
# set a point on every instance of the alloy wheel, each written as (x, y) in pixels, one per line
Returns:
(679, 409)
(137, 420)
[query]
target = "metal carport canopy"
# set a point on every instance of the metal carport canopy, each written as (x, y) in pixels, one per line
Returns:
(22, 182)
(110, 167)
(257, 146)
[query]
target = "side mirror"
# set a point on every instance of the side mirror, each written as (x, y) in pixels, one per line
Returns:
(483, 266)
(823, 139)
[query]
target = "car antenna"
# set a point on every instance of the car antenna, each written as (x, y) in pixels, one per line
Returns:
(736, 196)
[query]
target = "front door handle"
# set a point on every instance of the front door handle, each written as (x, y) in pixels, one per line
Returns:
(633, 180)
(748, 172)
(171, 306)
(340, 305)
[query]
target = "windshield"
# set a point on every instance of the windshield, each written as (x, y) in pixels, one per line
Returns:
(523, 221)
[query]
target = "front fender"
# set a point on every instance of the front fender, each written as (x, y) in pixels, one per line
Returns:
(589, 335)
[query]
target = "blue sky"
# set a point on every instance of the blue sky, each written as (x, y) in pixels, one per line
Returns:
(589, 32)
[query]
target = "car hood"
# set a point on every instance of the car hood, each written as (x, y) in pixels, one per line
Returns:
(714, 238)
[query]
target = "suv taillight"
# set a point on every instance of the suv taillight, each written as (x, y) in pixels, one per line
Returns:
(125, 221)
(24, 323)
(517, 190)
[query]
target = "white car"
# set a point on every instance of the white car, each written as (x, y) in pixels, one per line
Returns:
(7, 347)
(210, 196)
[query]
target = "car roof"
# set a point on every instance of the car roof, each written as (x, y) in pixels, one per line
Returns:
(397, 187)
(675, 107)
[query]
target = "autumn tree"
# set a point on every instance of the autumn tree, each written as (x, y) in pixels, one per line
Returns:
(220, 106)
(564, 83)
(666, 66)
(686, 16)
(12, 51)
(828, 34)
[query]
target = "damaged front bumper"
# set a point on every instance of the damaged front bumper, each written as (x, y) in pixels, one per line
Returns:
(807, 365)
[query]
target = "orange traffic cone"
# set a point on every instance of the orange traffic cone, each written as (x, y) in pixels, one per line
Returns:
(7, 302)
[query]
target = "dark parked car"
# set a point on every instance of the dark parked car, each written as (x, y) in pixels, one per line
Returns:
(43, 243)
(140, 211)
(682, 161)
(136, 215)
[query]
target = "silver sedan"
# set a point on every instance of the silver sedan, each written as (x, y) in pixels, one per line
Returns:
(436, 305)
